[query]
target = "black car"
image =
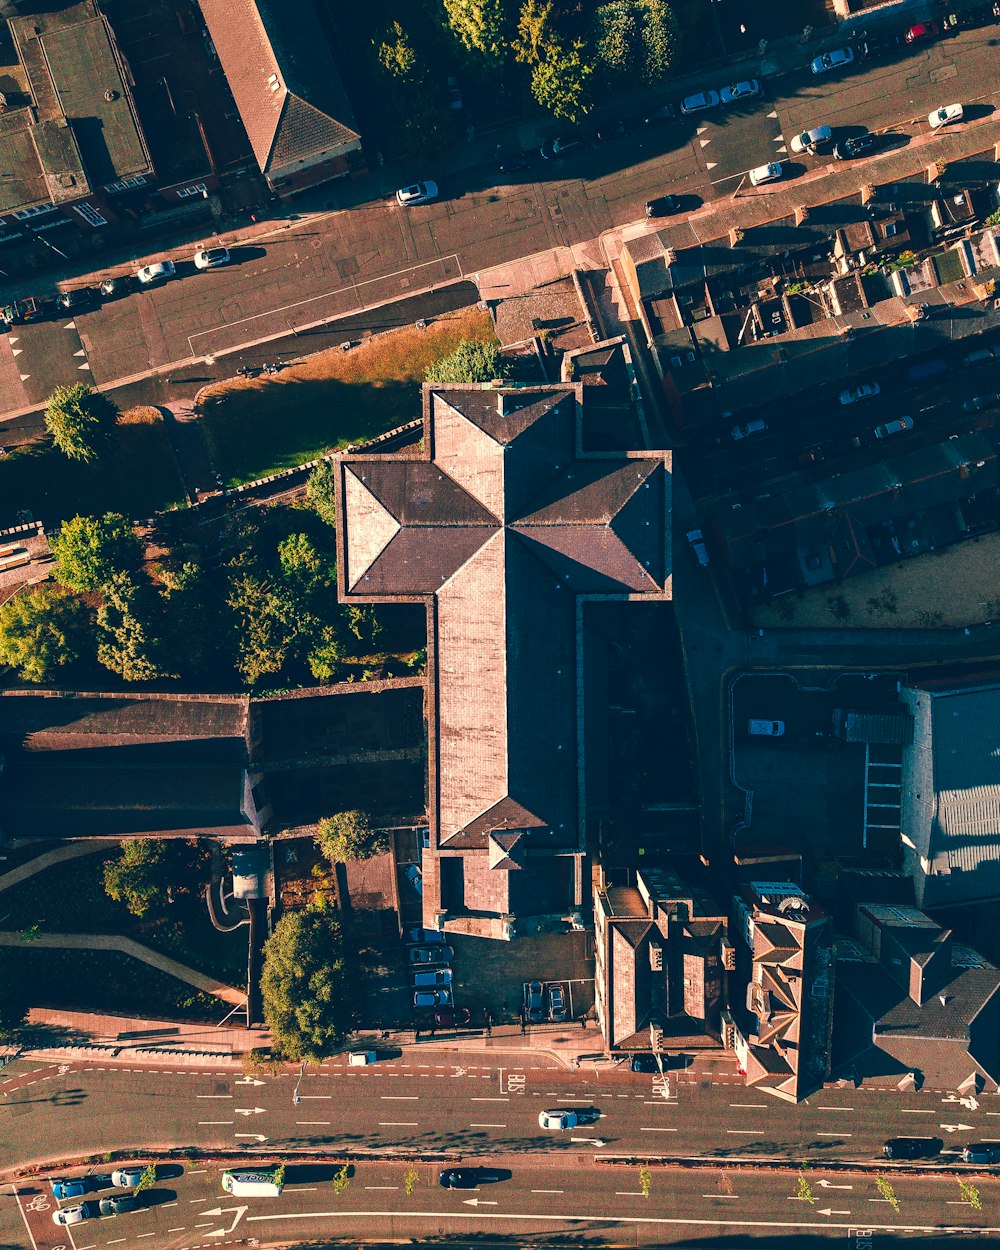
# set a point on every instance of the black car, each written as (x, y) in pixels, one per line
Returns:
(117, 1205)
(469, 1178)
(512, 162)
(662, 206)
(114, 288)
(644, 1063)
(983, 1152)
(563, 145)
(665, 113)
(616, 129)
(79, 297)
(860, 145)
(912, 1147)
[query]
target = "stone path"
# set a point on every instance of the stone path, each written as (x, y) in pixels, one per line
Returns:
(73, 850)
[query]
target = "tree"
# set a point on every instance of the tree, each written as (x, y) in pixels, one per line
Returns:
(396, 54)
(473, 360)
(303, 983)
(89, 550)
(534, 31)
(15, 998)
(635, 39)
(481, 25)
(80, 420)
(42, 631)
(559, 80)
(349, 836)
(130, 641)
(321, 492)
(136, 878)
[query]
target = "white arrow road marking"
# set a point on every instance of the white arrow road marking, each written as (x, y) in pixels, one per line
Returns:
(24, 376)
(478, 1202)
(831, 1185)
(81, 352)
(780, 139)
(83, 366)
(16, 351)
(70, 325)
(249, 1110)
(701, 130)
(711, 164)
(255, 1136)
(830, 1211)
(458, 1071)
(11, 338)
(772, 114)
(244, 1080)
(704, 142)
(957, 1128)
(782, 149)
(239, 1212)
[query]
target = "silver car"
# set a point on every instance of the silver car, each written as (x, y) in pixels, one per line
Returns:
(699, 102)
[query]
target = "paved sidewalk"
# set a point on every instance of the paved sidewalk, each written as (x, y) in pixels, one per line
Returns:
(74, 850)
(136, 1038)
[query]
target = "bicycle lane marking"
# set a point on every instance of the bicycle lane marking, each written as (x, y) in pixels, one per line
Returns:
(36, 1211)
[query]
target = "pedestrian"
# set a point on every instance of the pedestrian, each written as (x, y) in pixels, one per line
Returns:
(583, 1022)
(524, 1027)
(489, 1029)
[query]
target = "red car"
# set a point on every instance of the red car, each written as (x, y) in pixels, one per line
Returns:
(450, 1017)
(922, 30)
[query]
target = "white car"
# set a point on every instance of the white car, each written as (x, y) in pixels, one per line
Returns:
(696, 543)
(361, 1058)
(211, 258)
(158, 271)
(770, 172)
(558, 1119)
(697, 103)
(70, 1215)
(419, 193)
(836, 59)
(435, 977)
(899, 426)
(855, 394)
(126, 1178)
(433, 998)
(810, 140)
(945, 115)
(737, 91)
(766, 728)
(756, 426)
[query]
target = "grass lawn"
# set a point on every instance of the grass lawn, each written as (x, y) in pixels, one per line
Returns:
(257, 426)
(944, 590)
(137, 477)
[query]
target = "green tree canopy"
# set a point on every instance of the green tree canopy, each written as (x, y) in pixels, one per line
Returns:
(472, 361)
(481, 26)
(396, 54)
(349, 836)
(559, 82)
(138, 877)
(42, 631)
(130, 624)
(635, 39)
(304, 984)
(535, 31)
(80, 420)
(90, 550)
(321, 492)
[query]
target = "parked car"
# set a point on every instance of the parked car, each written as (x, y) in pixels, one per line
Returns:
(858, 145)
(921, 31)
(644, 1062)
(415, 878)
(425, 937)
(664, 113)
(810, 141)
(512, 162)
(432, 976)
(984, 1152)
(557, 1120)
(947, 115)
(863, 390)
(212, 258)
(700, 101)
(662, 206)
(770, 172)
(454, 93)
(737, 91)
(78, 298)
(557, 1003)
(469, 1178)
(534, 1002)
(912, 1147)
(452, 1017)
(899, 426)
(361, 1058)
(22, 311)
(756, 425)
(418, 193)
(432, 998)
(72, 1215)
(839, 58)
(118, 1205)
(431, 954)
(617, 128)
(766, 728)
(811, 455)
(561, 146)
(981, 402)
(981, 356)
(115, 288)
(158, 271)
(74, 1187)
(696, 545)
(126, 1178)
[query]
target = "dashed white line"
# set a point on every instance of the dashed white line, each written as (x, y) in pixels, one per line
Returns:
(179, 1229)
(726, 1196)
(548, 1191)
(381, 1187)
(324, 1123)
(658, 1130)
(834, 1108)
(749, 1106)
(399, 1097)
(834, 1134)
(914, 1111)
(487, 1126)
(397, 1124)
(743, 1132)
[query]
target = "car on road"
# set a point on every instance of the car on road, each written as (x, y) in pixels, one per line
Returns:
(563, 145)
(469, 1178)
(737, 91)
(921, 31)
(857, 145)
(912, 1147)
(418, 193)
(361, 1058)
(557, 1003)
(558, 1119)
(415, 878)
(700, 101)
(79, 297)
(899, 426)
(839, 58)
(979, 403)
(766, 728)
(616, 128)
(662, 206)
(432, 998)
(983, 1152)
(696, 545)
(118, 1205)
(115, 288)
(431, 954)
(22, 311)
(425, 937)
(127, 1178)
(512, 162)
(212, 258)
(810, 141)
(435, 976)
(981, 356)
(757, 425)
(73, 1215)
(664, 113)
(644, 1061)
(863, 390)
(946, 115)
(158, 271)
(74, 1187)
(534, 1002)
(811, 455)
(452, 1017)
(770, 172)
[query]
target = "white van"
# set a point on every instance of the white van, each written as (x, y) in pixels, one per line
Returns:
(251, 1184)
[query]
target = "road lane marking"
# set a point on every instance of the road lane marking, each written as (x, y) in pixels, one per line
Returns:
(834, 1108)
(743, 1132)
(399, 1097)
(205, 1123)
(139, 1236)
(629, 1193)
(726, 1196)
(912, 1111)
(397, 1124)
(547, 1191)
(179, 1229)
(381, 1187)
(834, 1134)
(303, 1097)
(120, 1239)
(755, 1106)
(659, 1130)
(197, 1172)
(25, 1218)
(325, 1123)
(491, 1099)
(487, 1126)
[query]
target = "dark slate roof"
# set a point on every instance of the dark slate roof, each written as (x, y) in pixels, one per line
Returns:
(283, 77)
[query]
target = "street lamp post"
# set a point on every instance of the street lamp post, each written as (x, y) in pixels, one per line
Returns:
(295, 1092)
(718, 27)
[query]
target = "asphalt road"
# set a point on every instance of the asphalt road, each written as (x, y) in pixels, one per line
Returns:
(371, 251)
